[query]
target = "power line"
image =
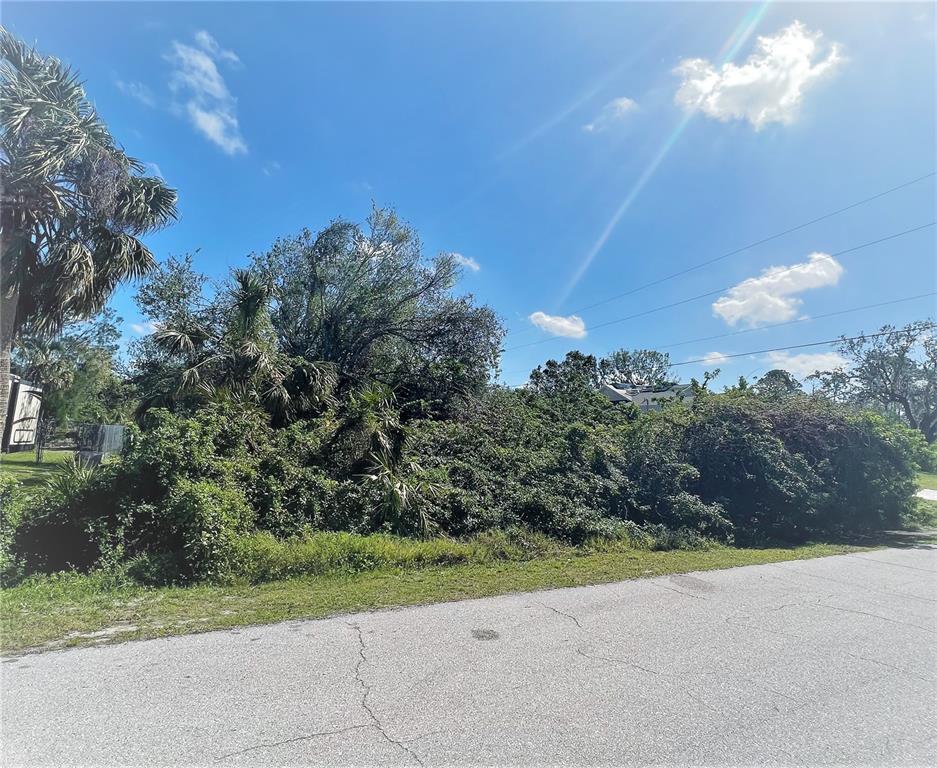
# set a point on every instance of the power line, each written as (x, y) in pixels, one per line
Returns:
(798, 320)
(720, 290)
(764, 240)
(825, 343)
(837, 313)
(754, 244)
(803, 346)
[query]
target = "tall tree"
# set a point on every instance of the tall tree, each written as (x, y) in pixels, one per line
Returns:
(894, 369)
(74, 204)
(576, 374)
(778, 384)
(636, 366)
(366, 300)
(78, 372)
(229, 350)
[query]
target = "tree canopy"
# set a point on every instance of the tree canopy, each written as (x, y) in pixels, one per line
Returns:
(635, 366)
(74, 203)
(894, 369)
(349, 307)
(364, 299)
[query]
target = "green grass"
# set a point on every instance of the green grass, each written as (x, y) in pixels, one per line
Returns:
(926, 516)
(22, 466)
(72, 609)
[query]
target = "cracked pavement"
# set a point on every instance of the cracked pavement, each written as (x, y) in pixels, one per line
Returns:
(800, 663)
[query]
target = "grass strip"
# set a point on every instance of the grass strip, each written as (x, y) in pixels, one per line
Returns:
(22, 466)
(74, 609)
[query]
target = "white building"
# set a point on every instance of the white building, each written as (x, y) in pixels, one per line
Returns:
(647, 398)
(22, 415)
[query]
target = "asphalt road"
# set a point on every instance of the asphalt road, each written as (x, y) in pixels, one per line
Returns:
(802, 663)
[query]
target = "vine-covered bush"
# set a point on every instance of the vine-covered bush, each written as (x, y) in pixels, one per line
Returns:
(190, 493)
(11, 508)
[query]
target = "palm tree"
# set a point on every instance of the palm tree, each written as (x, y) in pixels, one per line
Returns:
(73, 205)
(240, 360)
(371, 434)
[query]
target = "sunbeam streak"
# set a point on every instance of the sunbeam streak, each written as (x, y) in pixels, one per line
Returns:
(729, 50)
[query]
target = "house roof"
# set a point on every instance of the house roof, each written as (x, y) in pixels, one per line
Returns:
(630, 393)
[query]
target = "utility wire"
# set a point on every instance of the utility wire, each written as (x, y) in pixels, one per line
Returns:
(803, 346)
(798, 320)
(827, 342)
(719, 290)
(850, 310)
(754, 244)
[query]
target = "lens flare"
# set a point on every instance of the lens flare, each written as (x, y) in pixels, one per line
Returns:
(729, 50)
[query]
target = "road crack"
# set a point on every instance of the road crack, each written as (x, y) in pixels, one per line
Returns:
(562, 613)
(305, 737)
(885, 664)
(680, 592)
(366, 692)
(894, 565)
(624, 662)
(878, 616)
(786, 568)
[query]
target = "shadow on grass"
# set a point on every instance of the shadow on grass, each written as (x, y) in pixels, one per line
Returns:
(898, 539)
(23, 468)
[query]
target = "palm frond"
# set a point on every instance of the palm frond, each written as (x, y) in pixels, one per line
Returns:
(70, 190)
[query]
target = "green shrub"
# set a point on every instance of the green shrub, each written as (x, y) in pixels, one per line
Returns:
(173, 497)
(62, 526)
(11, 509)
(207, 520)
(223, 495)
(864, 463)
(922, 516)
(767, 491)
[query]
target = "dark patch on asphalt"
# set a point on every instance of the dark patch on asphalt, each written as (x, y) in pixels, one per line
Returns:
(485, 634)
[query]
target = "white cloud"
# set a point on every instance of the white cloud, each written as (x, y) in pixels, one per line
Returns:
(803, 365)
(772, 297)
(153, 169)
(768, 88)
(615, 111)
(466, 261)
(271, 168)
(572, 327)
(209, 44)
(137, 91)
(209, 105)
(143, 328)
(714, 358)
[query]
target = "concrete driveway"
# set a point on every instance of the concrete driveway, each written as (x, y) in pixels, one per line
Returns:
(801, 663)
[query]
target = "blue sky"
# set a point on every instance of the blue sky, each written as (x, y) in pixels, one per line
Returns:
(571, 152)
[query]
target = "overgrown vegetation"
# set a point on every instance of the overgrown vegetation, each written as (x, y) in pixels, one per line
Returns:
(328, 410)
(212, 494)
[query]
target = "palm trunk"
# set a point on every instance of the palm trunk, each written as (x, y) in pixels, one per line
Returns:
(7, 317)
(5, 349)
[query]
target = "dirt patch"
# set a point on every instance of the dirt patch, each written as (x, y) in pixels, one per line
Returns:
(103, 634)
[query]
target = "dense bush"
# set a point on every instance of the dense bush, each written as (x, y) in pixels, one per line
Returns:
(11, 507)
(522, 460)
(64, 527)
(222, 494)
(731, 466)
